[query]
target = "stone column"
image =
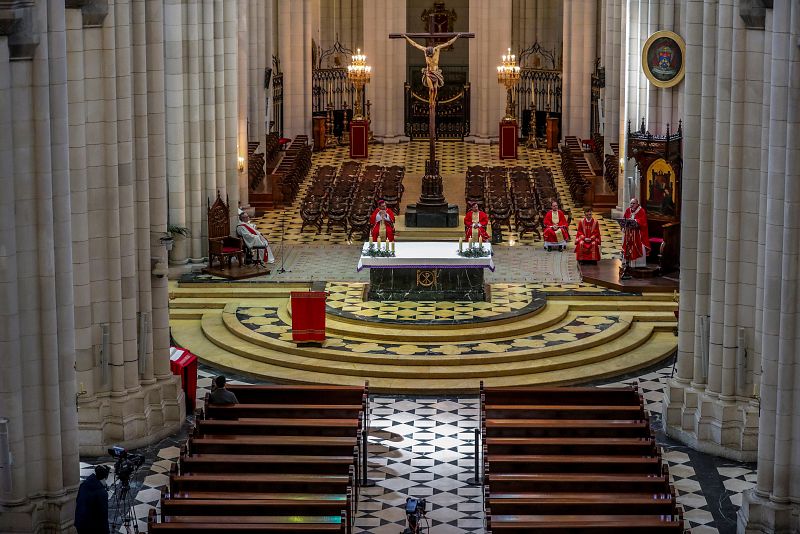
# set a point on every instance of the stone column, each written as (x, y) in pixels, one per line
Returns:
(580, 33)
(711, 404)
(37, 340)
(243, 81)
(774, 504)
(537, 21)
(388, 60)
(294, 45)
(491, 23)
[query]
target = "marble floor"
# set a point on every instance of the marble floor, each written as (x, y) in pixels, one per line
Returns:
(423, 447)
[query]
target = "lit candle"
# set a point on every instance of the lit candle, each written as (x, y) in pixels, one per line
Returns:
(392, 247)
(379, 241)
(461, 244)
(480, 239)
(370, 239)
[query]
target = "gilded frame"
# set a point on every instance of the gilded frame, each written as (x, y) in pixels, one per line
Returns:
(672, 71)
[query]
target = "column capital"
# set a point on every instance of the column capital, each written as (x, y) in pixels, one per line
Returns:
(18, 22)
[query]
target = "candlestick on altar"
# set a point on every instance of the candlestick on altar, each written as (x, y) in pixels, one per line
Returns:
(392, 247)
(480, 239)
(461, 244)
(370, 239)
(379, 241)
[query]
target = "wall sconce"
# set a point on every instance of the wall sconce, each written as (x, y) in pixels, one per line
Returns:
(241, 164)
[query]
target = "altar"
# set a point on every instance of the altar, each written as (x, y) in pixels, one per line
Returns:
(426, 271)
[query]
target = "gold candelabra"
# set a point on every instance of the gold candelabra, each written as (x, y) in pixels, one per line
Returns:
(508, 74)
(358, 72)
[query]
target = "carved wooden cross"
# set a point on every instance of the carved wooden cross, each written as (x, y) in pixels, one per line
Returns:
(431, 37)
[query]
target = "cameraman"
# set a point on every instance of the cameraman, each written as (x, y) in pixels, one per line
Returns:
(91, 508)
(221, 395)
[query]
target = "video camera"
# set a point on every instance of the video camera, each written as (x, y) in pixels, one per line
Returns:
(126, 464)
(415, 511)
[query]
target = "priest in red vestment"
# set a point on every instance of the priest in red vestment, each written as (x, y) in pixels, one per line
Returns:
(635, 241)
(556, 228)
(476, 220)
(587, 240)
(382, 215)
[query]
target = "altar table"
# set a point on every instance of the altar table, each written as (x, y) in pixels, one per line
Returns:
(426, 271)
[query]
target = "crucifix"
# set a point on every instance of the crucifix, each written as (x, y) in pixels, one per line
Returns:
(432, 192)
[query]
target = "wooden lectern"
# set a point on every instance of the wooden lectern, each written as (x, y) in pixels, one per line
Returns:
(308, 316)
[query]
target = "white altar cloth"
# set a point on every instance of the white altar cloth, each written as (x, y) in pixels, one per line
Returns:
(426, 255)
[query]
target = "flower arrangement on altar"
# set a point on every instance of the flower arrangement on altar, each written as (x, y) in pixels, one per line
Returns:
(473, 250)
(375, 250)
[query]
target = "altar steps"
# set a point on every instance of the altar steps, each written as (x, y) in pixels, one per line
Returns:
(655, 348)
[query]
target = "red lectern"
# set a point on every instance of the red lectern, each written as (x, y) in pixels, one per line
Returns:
(508, 139)
(359, 136)
(308, 316)
(184, 364)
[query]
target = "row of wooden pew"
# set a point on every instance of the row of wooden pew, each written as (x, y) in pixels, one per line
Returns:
(575, 168)
(284, 459)
(573, 460)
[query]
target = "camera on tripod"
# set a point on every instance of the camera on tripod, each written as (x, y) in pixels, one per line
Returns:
(127, 463)
(415, 511)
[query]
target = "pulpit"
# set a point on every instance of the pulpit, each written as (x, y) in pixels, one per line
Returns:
(359, 137)
(308, 316)
(509, 133)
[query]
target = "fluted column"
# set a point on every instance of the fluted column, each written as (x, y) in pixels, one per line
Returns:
(537, 21)
(580, 33)
(491, 23)
(294, 46)
(710, 403)
(774, 504)
(37, 339)
(388, 58)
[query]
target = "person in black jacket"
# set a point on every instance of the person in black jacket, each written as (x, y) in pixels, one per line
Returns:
(91, 508)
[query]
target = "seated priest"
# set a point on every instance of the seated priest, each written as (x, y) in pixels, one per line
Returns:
(477, 221)
(382, 218)
(587, 240)
(635, 240)
(556, 228)
(253, 239)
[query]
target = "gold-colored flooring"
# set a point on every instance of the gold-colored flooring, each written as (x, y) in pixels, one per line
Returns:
(575, 337)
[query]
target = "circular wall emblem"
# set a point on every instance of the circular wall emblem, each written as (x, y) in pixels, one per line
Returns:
(663, 58)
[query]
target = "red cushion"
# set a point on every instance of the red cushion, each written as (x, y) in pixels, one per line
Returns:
(284, 141)
(230, 249)
(656, 240)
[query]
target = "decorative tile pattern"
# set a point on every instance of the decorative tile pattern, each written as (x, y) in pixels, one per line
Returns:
(266, 321)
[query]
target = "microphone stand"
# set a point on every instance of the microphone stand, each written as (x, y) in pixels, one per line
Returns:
(283, 235)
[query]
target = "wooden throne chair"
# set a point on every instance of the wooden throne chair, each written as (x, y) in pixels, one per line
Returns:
(221, 245)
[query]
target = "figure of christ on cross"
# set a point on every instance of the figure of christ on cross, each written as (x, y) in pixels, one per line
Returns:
(433, 79)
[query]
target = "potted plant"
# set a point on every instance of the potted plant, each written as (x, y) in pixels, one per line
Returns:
(168, 239)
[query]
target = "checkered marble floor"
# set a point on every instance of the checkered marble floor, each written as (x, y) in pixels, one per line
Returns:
(423, 447)
(455, 157)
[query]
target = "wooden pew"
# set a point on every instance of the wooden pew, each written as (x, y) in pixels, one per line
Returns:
(552, 463)
(519, 524)
(538, 411)
(264, 463)
(279, 524)
(566, 428)
(576, 482)
(260, 483)
(607, 446)
(560, 395)
(226, 504)
(282, 410)
(300, 394)
(276, 426)
(548, 503)
(320, 445)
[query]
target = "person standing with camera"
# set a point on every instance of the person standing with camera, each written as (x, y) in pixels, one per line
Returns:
(91, 508)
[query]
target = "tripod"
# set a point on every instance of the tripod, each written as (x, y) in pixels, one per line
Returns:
(283, 235)
(123, 513)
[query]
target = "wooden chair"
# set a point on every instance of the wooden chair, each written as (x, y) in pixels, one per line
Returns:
(222, 245)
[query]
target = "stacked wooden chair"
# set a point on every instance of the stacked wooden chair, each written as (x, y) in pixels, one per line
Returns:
(576, 459)
(341, 194)
(475, 186)
(312, 208)
(612, 167)
(498, 199)
(284, 460)
(527, 218)
(363, 201)
(391, 187)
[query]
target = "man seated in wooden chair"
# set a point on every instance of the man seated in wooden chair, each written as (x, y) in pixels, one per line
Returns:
(253, 240)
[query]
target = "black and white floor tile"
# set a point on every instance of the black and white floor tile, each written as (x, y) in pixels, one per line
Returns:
(423, 447)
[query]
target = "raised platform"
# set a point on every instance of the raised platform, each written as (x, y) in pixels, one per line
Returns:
(236, 272)
(606, 274)
(556, 338)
